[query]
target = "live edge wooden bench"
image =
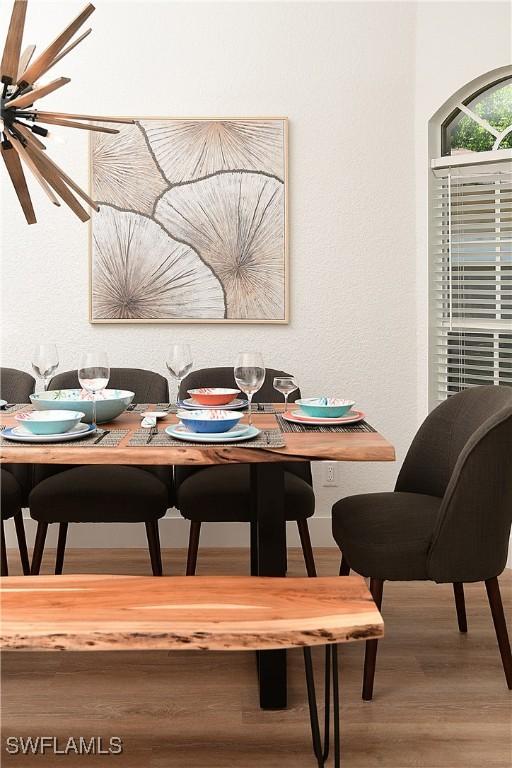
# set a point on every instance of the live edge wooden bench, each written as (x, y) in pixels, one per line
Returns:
(107, 613)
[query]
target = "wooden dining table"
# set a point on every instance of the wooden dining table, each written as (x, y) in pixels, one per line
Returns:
(267, 487)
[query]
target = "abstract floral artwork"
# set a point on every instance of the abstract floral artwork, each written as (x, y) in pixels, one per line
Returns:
(192, 221)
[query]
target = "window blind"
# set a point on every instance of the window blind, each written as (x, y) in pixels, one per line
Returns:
(472, 279)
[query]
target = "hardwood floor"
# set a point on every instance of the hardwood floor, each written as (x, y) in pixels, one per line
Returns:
(440, 697)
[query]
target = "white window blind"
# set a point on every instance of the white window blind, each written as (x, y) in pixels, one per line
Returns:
(472, 279)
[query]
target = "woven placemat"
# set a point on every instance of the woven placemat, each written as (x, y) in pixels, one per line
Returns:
(109, 439)
(13, 407)
(268, 438)
(287, 426)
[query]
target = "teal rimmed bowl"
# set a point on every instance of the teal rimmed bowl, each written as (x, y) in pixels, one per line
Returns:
(49, 422)
(324, 407)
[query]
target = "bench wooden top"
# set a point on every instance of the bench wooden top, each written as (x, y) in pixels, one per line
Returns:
(300, 446)
(93, 612)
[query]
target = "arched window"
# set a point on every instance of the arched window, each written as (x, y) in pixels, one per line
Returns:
(471, 239)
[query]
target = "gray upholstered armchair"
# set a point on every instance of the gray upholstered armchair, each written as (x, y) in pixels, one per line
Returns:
(448, 519)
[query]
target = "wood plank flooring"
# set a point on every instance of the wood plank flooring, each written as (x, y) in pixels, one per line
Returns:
(440, 697)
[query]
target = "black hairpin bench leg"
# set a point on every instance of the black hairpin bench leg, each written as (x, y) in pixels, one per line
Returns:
(331, 666)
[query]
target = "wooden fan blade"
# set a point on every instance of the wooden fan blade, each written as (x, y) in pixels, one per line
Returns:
(46, 161)
(73, 124)
(12, 48)
(22, 152)
(13, 165)
(66, 51)
(126, 120)
(25, 59)
(54, 180)
(37, 93)
(28, 135)
(43, 61)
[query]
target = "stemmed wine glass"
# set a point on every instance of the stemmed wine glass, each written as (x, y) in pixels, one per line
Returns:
(249, 375)
(179, 363)
(45, 361)
(93, 375)
(285, 385)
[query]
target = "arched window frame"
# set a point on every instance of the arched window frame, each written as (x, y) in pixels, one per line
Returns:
(445, 355)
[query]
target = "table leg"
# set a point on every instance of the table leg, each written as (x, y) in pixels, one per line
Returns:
(267, 487)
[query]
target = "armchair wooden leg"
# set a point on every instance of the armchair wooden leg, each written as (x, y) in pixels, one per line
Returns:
(154, 547)
(193, 546)
(37, 554)
(4, 570)
(344, 566)
(61, 547)
(500, 625)
(370, 655)
(254, 548)
(307, 549)
(22, 543)
(460, 604)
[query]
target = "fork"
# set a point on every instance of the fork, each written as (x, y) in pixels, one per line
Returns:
(152, 432)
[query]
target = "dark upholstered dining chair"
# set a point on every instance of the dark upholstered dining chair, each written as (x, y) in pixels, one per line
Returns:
(221, 494)
(104, 493)
(16, 387)
(11, 501)
(448, 519)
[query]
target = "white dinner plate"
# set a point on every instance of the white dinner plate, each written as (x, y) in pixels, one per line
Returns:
(297, 417)
(182, 433)
(22, 435)
(189, 403)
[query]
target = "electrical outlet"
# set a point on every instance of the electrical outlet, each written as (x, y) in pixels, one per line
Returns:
(330, 473)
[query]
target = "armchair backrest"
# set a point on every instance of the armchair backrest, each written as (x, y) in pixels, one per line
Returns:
(149, 387)
(16, 386)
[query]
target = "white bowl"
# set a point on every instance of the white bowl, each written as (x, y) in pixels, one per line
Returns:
(110, 403)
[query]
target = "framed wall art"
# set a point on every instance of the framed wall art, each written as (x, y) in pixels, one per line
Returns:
(192, 225)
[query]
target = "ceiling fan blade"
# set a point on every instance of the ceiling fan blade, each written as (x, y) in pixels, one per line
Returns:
(74, 124)
(43, 90)
(43, 61)
(54, 180)
(98, 118)
(46, 162)
(13, 165)
(12, 48)
(66, 51)
(22, 152)
(28, 135)
(25, 59)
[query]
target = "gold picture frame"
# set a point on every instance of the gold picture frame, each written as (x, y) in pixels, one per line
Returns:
(175, 213)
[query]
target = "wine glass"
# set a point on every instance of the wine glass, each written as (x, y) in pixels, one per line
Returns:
(45, 361)
(249, 375)
(93, 375)
(285, 385)
(179, 363)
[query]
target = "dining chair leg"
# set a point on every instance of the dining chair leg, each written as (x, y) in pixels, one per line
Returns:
(37, 554)
(61, 547)
(154, 547)
(22, 542)
(4, 570)
(370, 654)
(254, 548)
(307, 549)
(460, 605)
(193, 546)
(344, 566)
(500, 625)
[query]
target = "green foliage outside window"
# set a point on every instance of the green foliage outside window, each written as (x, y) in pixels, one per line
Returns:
(496, 108)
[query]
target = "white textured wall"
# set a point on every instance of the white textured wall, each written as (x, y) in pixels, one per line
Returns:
(344, 74)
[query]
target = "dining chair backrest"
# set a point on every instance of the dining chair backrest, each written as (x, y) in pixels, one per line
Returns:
(224, 377)
(149, 387)
(462, 453)
(472, 534)
(434, 452)
(16, 386)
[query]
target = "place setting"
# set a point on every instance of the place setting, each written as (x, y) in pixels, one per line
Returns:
(323, 414)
